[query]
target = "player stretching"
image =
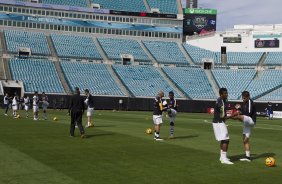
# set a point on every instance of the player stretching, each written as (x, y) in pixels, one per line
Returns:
(246, 114)
(219, 126)
(15, 105)
(172, 111)
(26, 105)
(35, 106)
(45, 105)
(90, 107)
(157, 114)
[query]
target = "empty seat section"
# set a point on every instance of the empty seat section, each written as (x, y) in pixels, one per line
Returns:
(122, 5)
(94, 77)
(166, 52)
(79, 3)
(192, 81)
(243, 58)
(273, 58)
(37, 75)
(198, 54)
(276, 95)
(115, 47)
(143, 81)
(235, 81)
(37, 42)
(165, 6)
(73, 46)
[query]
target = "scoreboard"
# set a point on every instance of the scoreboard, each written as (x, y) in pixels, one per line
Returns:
(198, 21)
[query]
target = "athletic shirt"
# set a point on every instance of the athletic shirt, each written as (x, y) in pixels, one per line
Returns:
(6, 100)
(248, 109)
(35, 100)
(26, 100)
(219, 111)
(172, 104)
(269, 109)
(15, 101)
(44, 98)
(157, 108)
(90, 101)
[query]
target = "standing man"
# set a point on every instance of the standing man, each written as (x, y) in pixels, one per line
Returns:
(172, 111)
(157, 114)
(247, 115)
(26, 105)
(15, 105)
(76, 110)
(269, 111)
(45, 105)
(6, 103)
(219, 126)
(90, 107)
(35, 101)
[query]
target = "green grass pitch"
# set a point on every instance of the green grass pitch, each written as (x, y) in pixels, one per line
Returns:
(118, 151)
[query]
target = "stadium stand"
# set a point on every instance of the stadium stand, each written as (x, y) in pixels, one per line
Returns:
(122, 5)
(94, 77)
(192, 81)
(243, 58)
(197, 54)
(273, 58)
(115, 47)
(276, 95)
(37, 75)
(166, 52)
(73, 46)
(79, 3)
(142, 81)
(37, 42)
(235, 81)
(165, 6)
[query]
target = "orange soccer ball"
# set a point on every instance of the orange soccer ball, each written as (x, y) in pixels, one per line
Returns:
(270, 161)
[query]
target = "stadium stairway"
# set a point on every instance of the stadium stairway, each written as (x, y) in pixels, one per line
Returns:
(147, 52)
(223, 59)
(7, 69)
(2, 71)
(188, 58)
(212, 81)
(100, 50)
(119, 82)
(147, 6)
(175, 88)
(52, 49)
(179, 7)
(62, 77)
(262, 59)
(2, 51)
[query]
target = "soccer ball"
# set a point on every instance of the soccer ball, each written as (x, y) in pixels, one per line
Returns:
(18, 116)
(270, 161)
(148, 131)
(55, 119)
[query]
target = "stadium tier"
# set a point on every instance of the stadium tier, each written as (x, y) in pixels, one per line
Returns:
(273, 58)
(192, 81)
(37, 75)
(166, 52)
(37, 42)
(142, 81)
(73, 46)
(79, 3)
(165, 6)
(122, 5)
(276, 95)
(197, 54)
(115, 47)
(243, 58)
(235, 81)
(94, 77)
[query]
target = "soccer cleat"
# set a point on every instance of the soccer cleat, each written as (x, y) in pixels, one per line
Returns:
(227, 162)
(158, 139)
(86, 126)
(71, 136)
(246, 159)
(6, 114)
(83, 136)
(171, 136)
(222, 159)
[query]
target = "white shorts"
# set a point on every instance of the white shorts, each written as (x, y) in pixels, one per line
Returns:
(158, 119)
(220, 131)
(248, 125)
(90, 112)
(45, 105)
(172, 116)
(14, 107)
(35, 108)
(26, 107)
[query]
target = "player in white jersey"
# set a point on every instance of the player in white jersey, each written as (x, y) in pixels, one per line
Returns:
(35, 101)
(26, 105)
(45, 105)
(15, 105)
(89, 101)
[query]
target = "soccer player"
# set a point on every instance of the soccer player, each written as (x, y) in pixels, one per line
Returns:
(45, 105)
(76, 110)
(90, 108)
(247, 115)
(15, 105)
(157, 114)
(219, 126)
(269, 111)
(172, 111)
(26, 105)
(6, 101)
(35, 102)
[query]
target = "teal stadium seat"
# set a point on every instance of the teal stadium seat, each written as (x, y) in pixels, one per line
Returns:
(122, 5)
(37, 42)
(243, 58)
(273, 58)
(75, 3)
(94, 77)
(37, 75)
(165, 6)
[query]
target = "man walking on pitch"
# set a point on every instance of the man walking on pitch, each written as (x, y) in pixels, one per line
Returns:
(157, 114)
(90, 108)
(76, 110)
(171, 112)
(219, 126)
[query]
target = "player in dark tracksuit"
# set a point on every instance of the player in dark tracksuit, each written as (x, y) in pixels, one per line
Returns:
(76, 110)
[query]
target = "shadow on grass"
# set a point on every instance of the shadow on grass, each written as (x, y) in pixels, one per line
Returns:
(186, 137)
(236, 158)
(97, 135)
(101, 126)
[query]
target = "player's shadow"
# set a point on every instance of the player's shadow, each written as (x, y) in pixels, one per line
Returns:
(186, 137)
(236, 158)
(101, 126)
(97, 135)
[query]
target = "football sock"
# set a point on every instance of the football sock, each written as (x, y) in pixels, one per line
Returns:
(223, 155)
(171, 130)
(248, 154)
(157, 134)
